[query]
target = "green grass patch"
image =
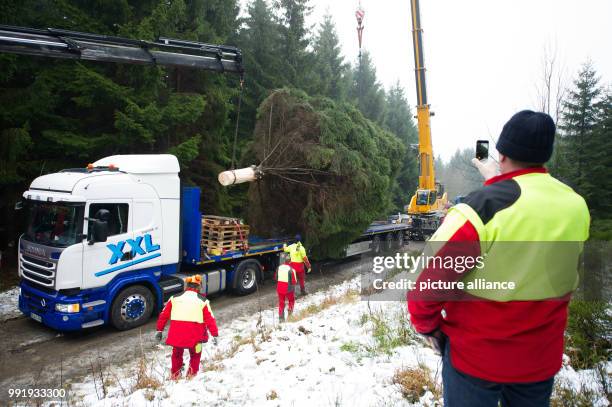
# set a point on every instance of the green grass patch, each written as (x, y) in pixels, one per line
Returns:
(389, 330)
(588, 333)
(352, 347)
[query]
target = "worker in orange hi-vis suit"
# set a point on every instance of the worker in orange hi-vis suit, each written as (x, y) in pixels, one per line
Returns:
(286, 279)
(190, 319)
(297, 253)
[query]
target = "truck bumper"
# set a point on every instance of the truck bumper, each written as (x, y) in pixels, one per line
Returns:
(40, 306)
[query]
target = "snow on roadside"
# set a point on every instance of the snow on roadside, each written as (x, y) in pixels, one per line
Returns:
(585, 381)
(305, 362)
(9, 304)
(324, 359)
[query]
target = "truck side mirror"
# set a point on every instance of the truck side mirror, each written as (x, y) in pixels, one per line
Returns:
(100, 231)
(99, 227)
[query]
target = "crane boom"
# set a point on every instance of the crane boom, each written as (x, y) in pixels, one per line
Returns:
(428, 202)
(58, 43)
(426, 173)
(419, 63)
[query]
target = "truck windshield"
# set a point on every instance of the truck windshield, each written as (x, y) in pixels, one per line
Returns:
(54, 224)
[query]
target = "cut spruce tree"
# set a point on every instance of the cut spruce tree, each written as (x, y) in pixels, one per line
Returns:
(328, 171)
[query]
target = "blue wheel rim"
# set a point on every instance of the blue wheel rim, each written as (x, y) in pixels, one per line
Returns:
(133, 307)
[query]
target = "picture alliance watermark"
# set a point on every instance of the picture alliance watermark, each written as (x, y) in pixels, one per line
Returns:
(404, 263)
(407, 284)
(498, 271)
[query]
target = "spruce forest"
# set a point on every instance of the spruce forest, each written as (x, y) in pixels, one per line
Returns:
(60, 114)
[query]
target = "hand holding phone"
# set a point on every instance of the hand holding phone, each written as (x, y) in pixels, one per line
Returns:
(482, 149)
(487, 166)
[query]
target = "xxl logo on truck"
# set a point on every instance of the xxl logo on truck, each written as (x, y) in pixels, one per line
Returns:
(136, 249)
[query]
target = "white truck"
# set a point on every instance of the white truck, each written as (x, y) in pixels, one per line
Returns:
(106, 244)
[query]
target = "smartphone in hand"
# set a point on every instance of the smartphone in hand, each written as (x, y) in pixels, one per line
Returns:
(482, 149)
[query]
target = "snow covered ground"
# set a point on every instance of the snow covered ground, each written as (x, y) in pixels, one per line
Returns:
(9, 304)
(327, 358)
(336, 353)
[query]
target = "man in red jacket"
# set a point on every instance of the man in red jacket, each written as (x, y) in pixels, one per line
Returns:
(190, 319)
(523, 227)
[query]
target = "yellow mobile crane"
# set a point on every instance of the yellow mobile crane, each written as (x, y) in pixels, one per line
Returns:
(427, 206)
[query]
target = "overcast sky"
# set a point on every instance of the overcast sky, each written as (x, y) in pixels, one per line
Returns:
(483, 57)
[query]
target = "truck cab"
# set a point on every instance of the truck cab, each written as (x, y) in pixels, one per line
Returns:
(91, 233)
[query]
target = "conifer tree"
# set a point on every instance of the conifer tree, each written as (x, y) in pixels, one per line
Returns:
(295, 40)
(398, 120)
(330, 73)
(596, 184)
(366, 90)
(579, 117)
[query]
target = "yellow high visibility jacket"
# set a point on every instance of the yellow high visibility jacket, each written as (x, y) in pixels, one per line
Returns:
(190, 319)
(296, 251)
(286, 274)
(189, 307)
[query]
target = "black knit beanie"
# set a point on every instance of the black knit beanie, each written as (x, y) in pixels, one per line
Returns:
(528, 137)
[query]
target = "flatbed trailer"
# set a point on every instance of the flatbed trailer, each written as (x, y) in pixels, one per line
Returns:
(380, 237)
(238, 270)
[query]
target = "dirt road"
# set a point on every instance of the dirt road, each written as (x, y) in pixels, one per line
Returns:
(33, 356)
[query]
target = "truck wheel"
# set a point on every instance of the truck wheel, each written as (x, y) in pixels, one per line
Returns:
(132, 307)
(399, 240)
(389, 242)
(376, 245)
(246, 277)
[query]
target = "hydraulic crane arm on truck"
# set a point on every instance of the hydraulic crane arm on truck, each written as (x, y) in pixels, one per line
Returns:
(55, 43)
(427, 205)
(108, 244)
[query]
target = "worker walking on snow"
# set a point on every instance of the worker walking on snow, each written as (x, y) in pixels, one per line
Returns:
(190, 320)
(297, 254)
(529, 229)
(286, 280)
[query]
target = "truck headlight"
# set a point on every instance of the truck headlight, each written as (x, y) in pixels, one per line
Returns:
(68, 308)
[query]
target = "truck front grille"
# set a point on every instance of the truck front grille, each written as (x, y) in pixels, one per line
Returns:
(38, 271)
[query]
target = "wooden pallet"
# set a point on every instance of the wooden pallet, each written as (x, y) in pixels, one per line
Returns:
(224, 227)
(220, 241)
(221, 233)
(227, 237)
(222, 245)
(224, 231)
(219, 220)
